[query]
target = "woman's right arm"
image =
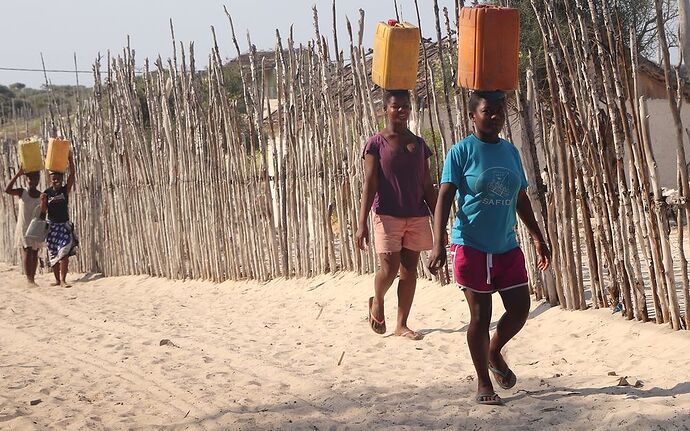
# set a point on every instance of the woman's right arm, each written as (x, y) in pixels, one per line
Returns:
(10, 190)
(437, 258)
(371, 185)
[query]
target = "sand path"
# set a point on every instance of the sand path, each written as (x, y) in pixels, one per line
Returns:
(252, 356)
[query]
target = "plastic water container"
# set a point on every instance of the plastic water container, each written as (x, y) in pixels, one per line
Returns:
(396, 55)
(488, 48)
(37, 230)
(30, 155)
(57, 158)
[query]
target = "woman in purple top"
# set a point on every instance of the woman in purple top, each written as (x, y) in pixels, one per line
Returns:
(398, 187)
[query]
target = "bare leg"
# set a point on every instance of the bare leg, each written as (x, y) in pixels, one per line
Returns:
(406, 288)
(32, 258)
(478, 338)
(64, 267)
(25, 263)
(35, 267)
(390, 262)
(56, 273)
(516, 302)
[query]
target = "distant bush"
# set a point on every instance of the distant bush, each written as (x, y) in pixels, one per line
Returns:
(29, 103)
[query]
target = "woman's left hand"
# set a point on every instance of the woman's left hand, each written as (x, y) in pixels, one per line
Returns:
(543, 255)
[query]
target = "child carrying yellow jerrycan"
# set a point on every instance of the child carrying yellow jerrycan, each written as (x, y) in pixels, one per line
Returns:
(397, 181)
(29, 200)
(62, 241)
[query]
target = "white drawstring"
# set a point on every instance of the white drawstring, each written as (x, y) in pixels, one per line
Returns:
(489, 265)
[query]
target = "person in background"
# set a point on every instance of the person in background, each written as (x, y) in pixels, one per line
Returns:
(29, 207)
(62, 242)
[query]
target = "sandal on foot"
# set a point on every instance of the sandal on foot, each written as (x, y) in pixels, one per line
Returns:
(491, 399)
(416, 336)
(381, 329)
(505, 376)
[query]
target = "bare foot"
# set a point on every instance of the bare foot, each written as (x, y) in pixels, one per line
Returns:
(408, 333)
(57, 283)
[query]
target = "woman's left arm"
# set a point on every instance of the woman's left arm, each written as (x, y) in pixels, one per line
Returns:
(524, 211)
(72, 171)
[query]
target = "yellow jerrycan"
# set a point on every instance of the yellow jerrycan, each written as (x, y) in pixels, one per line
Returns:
(58, 155)
(396, 55)
(29, 150)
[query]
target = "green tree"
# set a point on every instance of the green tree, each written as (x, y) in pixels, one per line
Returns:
(17, 86)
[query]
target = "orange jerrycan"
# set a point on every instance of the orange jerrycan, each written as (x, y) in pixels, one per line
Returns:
(488, 48)
(30, 155)
(58, 155)
(396, 53)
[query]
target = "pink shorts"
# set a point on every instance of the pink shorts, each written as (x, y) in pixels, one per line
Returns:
(485, 272)
(392, 234)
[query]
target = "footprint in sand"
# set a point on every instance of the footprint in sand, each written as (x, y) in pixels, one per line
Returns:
(216, 374)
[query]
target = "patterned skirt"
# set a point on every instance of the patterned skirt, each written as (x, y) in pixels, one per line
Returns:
(61, 241)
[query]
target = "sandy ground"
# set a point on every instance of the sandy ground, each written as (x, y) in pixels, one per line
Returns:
(248, 356)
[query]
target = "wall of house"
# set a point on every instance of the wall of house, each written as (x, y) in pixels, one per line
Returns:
(664, 139)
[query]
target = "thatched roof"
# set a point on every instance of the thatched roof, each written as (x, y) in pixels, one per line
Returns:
(655, 74)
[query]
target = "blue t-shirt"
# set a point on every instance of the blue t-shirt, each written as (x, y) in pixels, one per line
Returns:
(488, 178)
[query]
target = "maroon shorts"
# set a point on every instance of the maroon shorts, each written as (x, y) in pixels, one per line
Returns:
(485, 272)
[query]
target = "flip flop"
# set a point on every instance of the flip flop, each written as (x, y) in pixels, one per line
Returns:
(416, 336)
(508, 376)
(491, 399)
(373, 320)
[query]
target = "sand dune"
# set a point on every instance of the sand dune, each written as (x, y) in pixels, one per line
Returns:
(247, 356)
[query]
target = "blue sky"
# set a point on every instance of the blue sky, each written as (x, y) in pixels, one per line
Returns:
(60, 28)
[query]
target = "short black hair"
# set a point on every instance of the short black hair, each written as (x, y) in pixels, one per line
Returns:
(389, 94)
(477, 96)
(34, 174)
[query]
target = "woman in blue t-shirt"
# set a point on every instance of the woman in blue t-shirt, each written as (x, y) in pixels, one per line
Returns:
(484, 172)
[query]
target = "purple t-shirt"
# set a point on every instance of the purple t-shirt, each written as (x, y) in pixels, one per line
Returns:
(401, 178)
